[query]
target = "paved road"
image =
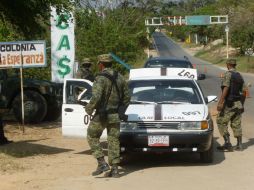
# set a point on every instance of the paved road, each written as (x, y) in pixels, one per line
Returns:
(43, 160)
(210, 86)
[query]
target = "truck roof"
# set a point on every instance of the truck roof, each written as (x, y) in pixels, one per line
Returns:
(163, 73)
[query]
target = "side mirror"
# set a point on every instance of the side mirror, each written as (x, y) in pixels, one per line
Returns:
(79, 99)
(210, 99)
(201, 77)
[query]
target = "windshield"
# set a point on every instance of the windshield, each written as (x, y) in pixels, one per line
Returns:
(168, 63)
(165, 91)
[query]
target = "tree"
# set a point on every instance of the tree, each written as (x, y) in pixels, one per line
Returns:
(121, 31)
(242, 28)
(29, 18)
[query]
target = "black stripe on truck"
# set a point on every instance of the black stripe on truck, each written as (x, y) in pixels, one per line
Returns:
(157, 112)
(163, 71)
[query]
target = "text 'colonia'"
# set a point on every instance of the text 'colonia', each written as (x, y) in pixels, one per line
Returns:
(17, 47)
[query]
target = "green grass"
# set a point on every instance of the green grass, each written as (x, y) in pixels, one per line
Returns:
(215, 56)
(140, 62)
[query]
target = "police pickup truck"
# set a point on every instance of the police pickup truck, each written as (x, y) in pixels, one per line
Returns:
(167, 113)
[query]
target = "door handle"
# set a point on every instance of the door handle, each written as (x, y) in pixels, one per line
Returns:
(68, 110)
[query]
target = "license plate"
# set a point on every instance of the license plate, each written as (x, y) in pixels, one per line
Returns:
(158, 140)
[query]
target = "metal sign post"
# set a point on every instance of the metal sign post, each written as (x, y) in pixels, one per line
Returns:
(227, 31)
(22, 94)
(195, 20)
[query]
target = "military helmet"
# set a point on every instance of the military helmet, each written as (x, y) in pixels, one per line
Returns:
(231, 61)
(86, 61)
(105, 58)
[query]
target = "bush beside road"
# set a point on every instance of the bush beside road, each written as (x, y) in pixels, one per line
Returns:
(216, 54)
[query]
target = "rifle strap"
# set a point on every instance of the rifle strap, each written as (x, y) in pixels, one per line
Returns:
(112, 78)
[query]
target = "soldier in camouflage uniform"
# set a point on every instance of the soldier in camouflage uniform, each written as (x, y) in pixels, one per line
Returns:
(230, 106)
(107, 97)
(84, 71)
(3, 139)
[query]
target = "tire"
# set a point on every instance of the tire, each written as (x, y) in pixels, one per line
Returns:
(125, 159)
(35, 107)
(207, 156)
(53, 113)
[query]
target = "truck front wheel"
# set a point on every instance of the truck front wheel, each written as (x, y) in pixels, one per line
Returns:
(207, 156)
(35, 107)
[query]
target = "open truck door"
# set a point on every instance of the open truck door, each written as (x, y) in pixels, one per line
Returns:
(75, 120)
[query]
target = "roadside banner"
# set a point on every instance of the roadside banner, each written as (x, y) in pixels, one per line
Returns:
(24, 54)
(62, 45)
(21, 55)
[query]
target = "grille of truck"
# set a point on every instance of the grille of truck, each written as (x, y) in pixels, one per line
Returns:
(159, 125)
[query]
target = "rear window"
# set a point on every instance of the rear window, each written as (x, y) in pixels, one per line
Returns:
(168, 63)
(165, 90)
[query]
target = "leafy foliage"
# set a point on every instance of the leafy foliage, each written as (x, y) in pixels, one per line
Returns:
(29, 20)
(120, 31)
(30, 16)
(99, 27)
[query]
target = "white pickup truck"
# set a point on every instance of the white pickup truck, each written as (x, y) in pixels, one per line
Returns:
(167, 113)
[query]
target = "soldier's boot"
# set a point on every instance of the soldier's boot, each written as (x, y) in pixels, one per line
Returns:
(102, 167)
(114, 172)
(3, 139)
(239, 145)
(227, 144)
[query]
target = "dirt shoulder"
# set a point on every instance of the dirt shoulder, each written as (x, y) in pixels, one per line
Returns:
(40, 156)
(217, 55)
(42, 159)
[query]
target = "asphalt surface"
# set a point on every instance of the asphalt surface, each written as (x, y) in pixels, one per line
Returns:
(42, 159)
(211, 85)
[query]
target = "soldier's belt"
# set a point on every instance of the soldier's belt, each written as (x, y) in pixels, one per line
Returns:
(112, 111)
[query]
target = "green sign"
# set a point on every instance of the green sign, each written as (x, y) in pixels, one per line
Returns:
(198, 20)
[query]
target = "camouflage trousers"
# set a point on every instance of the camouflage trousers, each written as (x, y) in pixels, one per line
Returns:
(232, 115)
(94, 133)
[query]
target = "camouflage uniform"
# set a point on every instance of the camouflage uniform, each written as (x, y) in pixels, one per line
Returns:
(3, 139)
(101, 89)
(232, 114)
(84, 71)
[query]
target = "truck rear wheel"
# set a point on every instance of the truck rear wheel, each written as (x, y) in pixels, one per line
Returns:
(35, 107)
(53, 113)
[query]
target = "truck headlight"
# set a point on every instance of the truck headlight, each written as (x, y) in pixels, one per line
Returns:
(128, 125)
(194, 125)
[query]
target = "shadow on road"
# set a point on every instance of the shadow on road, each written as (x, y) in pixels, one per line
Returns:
(28, 148)
(249, 143)
(104, 146)
(133, 162)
